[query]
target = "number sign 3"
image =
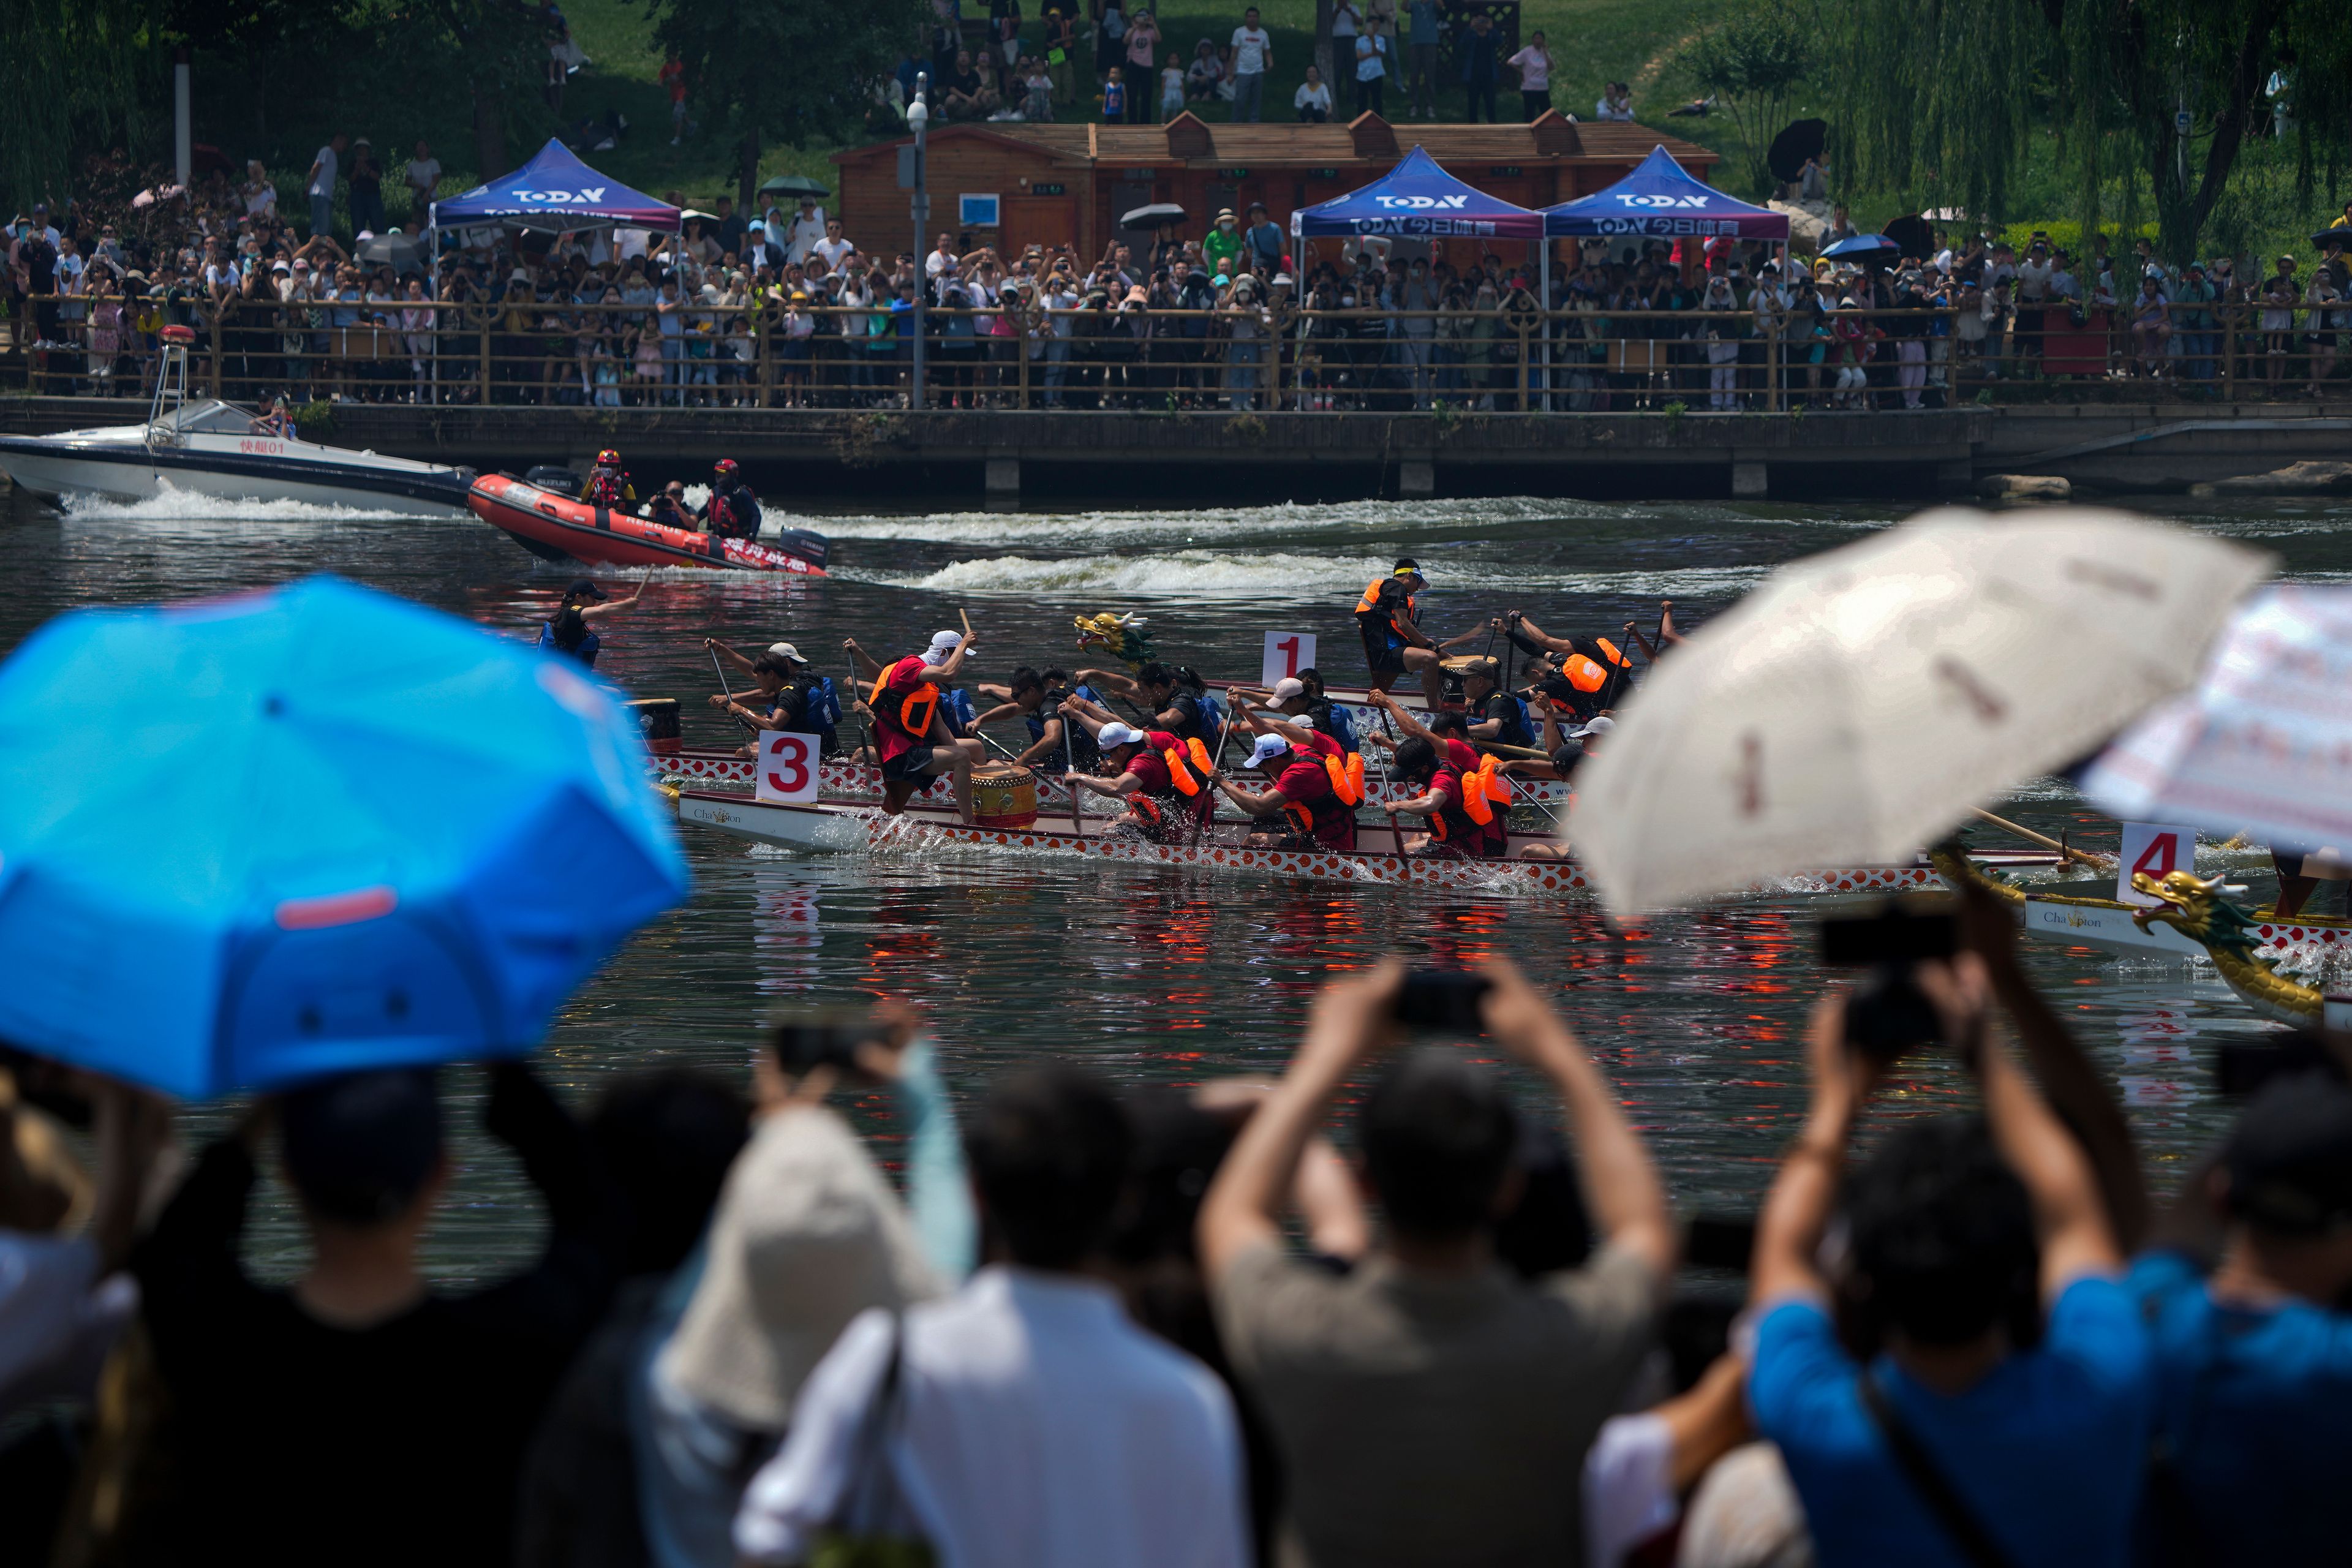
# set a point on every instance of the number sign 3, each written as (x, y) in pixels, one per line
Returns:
(787, 766)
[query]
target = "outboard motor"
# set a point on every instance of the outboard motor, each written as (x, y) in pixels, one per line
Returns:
(806, 544)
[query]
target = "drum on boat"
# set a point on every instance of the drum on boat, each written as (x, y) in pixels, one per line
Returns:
(1003, 794)
(657, 717)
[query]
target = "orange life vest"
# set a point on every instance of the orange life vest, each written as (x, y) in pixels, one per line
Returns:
(1371, 600)
(915, 708)
(1173, 753)
(1346, 776)
(1583, 674)
(1469, 804)
(1609, 651)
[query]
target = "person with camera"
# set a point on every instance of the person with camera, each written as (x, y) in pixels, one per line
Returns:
(2002, 1413)
(1025, 1421)
(1434, 1372)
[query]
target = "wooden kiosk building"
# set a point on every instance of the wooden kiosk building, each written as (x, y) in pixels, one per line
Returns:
(1054, 184)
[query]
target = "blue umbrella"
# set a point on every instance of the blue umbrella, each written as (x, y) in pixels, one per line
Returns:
(249, 840)
(1863, 245)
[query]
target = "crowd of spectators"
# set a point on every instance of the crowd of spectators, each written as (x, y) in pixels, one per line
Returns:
(783, 309)
(1174, 1327)
(1110, 59)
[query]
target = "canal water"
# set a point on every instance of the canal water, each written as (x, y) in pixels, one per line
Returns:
(1155, 975)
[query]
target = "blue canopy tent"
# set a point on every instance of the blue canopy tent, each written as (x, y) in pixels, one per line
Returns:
(1660, 199)
(1415, 200)
(555, 193)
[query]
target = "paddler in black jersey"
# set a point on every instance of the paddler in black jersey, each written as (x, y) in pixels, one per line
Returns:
(1177, 697)
(1300, 697)
(1037, 699)
(1492, 715)
(910, 731)
(789, 696)
(1394, 644)
(1597, 668)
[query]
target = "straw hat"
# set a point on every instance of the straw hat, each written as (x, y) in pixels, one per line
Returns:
(807, 1235)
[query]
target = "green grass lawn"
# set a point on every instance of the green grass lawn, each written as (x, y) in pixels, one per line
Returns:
(1592, 41)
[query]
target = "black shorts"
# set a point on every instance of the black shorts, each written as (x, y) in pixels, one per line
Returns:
(1382, 653)
(913, 766)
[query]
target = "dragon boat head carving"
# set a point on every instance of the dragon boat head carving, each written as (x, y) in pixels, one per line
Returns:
(2194, 906)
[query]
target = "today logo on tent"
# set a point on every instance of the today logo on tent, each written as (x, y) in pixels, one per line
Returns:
(1419, 203)
(1632, 199)
(586, 194)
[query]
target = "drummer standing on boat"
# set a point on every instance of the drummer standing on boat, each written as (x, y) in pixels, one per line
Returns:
(1394, 644)
(912, 733)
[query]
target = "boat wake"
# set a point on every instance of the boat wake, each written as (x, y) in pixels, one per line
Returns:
(185, 507)
(1219, 576)
(1362, 521)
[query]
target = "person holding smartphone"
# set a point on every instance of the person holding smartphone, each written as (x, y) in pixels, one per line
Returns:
(1431, 1371)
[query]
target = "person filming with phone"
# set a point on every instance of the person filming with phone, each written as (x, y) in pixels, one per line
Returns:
(1999, 1411)
(1433, 1371)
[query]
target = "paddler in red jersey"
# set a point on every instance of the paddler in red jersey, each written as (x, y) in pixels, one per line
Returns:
(1316, 787)
(1150, 771)
(1447, 733)
(912, 733)
(1450, 803)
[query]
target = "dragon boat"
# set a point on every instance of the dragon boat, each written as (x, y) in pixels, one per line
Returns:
(929, 831)
(2254, 952)
(860, 779)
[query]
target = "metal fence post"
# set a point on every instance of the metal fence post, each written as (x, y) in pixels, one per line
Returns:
(486, 360)
(765, 370)
(215, 334)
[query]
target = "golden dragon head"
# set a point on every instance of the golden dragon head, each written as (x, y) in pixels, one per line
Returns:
(1120, 635)
(2193, 906)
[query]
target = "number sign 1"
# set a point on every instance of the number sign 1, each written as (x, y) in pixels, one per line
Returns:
(787, 766)
(2155, 850)
(1286, 653)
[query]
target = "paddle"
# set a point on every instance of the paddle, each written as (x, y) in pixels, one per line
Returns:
(865, 736)
(722, 690)
(2084, 856)
(1070, 764)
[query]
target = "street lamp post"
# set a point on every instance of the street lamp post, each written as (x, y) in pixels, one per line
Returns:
(919, 116)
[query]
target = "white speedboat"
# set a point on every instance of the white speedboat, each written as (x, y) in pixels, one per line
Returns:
(214, 448)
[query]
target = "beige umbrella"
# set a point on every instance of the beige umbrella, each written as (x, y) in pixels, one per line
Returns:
(1859, 702)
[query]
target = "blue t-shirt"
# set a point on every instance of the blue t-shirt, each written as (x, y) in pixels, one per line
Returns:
(2048, 1448)
(1424, 21)
(2255, 1407)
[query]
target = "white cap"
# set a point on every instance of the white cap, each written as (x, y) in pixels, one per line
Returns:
(1601, 726)
(1288, 687)
(1117, 734)
(785, 651)
(943, 644)
(1268, 746)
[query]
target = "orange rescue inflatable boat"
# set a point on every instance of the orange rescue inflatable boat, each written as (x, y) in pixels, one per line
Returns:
(556, 527)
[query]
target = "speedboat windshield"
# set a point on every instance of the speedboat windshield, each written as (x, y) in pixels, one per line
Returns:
(213, 417)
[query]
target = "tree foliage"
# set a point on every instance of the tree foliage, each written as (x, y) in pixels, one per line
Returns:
(1939, 96)
(782, 71)
(1754, 64)
(73, 74)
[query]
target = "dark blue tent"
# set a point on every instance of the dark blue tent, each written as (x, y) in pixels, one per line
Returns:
(1416, 200)
(555, 192)
(1661, 198)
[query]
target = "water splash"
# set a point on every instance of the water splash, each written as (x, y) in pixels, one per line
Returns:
(173, 505)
